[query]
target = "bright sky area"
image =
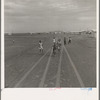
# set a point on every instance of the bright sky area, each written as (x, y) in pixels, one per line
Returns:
(49, 15)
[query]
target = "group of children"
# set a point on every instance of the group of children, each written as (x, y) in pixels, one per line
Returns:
(56, 45)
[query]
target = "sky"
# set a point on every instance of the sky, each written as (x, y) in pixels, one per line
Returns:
(49, 15)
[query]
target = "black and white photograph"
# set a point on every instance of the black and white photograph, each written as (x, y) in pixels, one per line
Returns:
(50, 43)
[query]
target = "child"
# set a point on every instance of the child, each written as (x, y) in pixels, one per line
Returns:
(13, 41)
(69, 40)
(59, 44)
(54, 48)
(41, 46)
(64, 40)
(54, 40)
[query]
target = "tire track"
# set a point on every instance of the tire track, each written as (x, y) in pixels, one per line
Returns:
(45, 72)
(75, 70)
(23, 78)
(59, 70)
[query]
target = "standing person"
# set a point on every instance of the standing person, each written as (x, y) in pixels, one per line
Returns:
(69, 40)
(64, 40)
(54, 40)
(13, 41)
(59, 44)
(54, 48)
(41, 46)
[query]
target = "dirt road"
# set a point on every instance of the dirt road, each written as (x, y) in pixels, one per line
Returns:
(73, 66)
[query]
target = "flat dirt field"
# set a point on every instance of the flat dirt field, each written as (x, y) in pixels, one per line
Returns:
(73, 66)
